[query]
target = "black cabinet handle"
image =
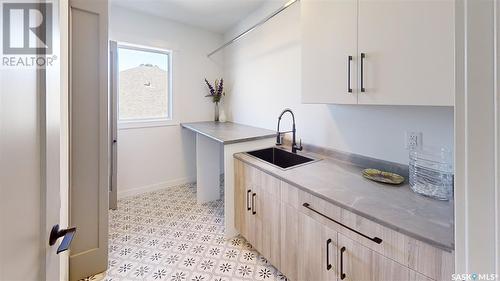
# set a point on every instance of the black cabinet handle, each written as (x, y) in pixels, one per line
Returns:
(374, 239)
(349, 59)
(253, 204)
(328, 264)
(342, 274)
(57, 233)
(362, 69)
(248, 198)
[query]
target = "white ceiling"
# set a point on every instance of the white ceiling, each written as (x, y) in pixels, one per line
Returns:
(213, 15)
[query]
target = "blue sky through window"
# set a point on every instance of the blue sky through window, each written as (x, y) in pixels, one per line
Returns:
(128, 58)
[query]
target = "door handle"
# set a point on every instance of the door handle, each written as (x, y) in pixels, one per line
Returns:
(349, 60)
(57, 233)
(362, 70)
(253, 204)
(342, 274)
(248, 198)
(328, 264)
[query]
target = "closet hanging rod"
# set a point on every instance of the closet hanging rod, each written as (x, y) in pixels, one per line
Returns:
(253, 27)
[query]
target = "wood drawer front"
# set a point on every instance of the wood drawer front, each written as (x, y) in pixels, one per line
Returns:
(393, 243)
(430, 261)
(419, 256)
(415, 276)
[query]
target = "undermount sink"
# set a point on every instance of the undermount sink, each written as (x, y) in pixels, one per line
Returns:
(281, 158)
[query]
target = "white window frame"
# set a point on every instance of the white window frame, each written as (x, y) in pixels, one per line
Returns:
(149, 122)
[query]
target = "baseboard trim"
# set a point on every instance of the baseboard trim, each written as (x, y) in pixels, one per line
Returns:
(153, 187)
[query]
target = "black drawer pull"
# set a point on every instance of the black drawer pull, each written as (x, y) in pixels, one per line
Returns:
(349, 59)
(342, 274)
(253, 204)
(362, 70)
(248, 198)
(328, 264)
(374, 239)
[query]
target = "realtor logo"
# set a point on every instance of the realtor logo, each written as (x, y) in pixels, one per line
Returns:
(27, 28)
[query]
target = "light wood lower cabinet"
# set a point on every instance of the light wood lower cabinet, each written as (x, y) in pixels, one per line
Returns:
(257, 210)
(357, 262)
(266, 214)
(317, 251)
(289, 240)
(244, 220)
(311, 245)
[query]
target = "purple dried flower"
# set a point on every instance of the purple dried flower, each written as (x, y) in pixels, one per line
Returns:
(216, 91)
(212, 90)
(220, 88)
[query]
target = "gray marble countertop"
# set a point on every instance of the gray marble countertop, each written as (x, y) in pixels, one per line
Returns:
(228, 132)
(396, 207)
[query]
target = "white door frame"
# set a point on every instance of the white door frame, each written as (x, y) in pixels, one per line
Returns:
(477, 147)
(497, 132)
(113, 135)
(64, 129)
(54, 144)
(53, 91)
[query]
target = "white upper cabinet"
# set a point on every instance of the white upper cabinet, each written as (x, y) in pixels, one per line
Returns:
(403, 52)
(329, 38)
(409, 52)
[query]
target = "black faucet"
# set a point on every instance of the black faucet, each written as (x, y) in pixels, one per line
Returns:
(278, 137)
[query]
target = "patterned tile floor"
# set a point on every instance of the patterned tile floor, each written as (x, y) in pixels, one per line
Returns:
(166, 235)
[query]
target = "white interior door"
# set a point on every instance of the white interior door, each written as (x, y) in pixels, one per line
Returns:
(89, 136)
(32, 155)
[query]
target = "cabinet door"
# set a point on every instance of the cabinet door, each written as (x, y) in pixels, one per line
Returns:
(357, 263)
(244, 221)
(289, 240)
(329, 32)
(409, 52)
(266, 215)
(317, 251)
(251, 190)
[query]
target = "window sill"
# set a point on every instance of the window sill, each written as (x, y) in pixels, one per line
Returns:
(126, 125)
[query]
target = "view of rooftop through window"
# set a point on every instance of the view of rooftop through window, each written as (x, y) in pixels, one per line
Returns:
(143, 84)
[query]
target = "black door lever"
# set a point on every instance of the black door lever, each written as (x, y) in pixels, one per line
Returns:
(57, 233)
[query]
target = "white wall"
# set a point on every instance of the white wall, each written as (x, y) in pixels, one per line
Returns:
(162, 156)
(264, 75)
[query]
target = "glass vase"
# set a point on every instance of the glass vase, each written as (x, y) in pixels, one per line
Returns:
(216, 117)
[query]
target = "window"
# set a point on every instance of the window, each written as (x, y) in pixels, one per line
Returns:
(145, 83)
